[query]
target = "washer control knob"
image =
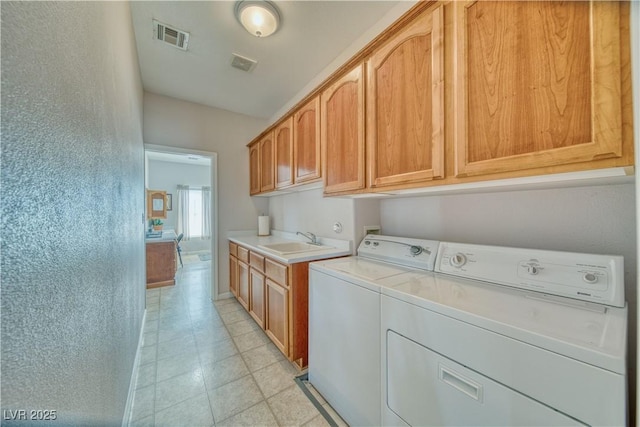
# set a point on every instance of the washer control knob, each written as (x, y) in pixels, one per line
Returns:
(376, 243)
(533, 269)
(590, 278)
(415, 250)
(458, 260)
(367, 242)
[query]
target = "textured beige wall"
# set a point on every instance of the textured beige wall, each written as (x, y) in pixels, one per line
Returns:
(175, 123)
(72, 265)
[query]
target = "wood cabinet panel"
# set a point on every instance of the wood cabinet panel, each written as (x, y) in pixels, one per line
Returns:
(233, 275)
(243, 284)
(256, 295)
(161, 264)
(243, 254)
(267, 163)
(156, 204)
(306, 142)
(537, 84)
(299, 314)
(277, 272)
(277, 315)
(405, 104)
(256, 261)
(283, 136)
(233, 249)
(342, 133)
(277, 298)
(254, 169)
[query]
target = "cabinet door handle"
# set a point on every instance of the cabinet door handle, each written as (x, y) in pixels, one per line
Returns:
(459, 382)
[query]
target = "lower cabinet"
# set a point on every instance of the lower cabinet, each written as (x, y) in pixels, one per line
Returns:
(233, 275)
(277, 308)
(233, 268)
(256, 302)
(276, 296)
(243, 284)
(161, 264)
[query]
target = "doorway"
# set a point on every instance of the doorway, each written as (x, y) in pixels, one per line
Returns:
(171, 169)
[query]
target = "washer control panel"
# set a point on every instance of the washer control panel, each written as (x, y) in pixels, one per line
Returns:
(587, 277)
(417, 253)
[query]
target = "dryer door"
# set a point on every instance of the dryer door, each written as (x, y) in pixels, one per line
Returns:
(426, 388)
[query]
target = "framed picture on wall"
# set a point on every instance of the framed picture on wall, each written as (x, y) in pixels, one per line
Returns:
(169, 202)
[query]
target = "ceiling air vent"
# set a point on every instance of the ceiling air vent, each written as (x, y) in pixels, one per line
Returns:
(242, 63)
(170, 35)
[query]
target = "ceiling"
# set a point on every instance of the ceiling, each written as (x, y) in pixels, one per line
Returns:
(190, 159)
(311, 35)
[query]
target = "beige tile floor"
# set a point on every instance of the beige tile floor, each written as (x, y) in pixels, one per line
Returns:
(205, 364)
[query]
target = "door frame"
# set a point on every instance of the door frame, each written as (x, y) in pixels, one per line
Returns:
(213, 246)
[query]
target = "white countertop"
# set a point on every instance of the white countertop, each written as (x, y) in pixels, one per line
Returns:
(251, 240)
(168, 235)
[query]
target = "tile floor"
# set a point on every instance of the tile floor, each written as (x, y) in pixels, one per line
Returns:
(206, 364)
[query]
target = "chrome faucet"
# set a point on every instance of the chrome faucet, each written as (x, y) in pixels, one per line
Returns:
(310, 236)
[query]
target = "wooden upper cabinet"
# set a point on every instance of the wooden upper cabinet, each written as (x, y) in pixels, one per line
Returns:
(283, 135)
(537, 84)
(306, 142)
(405, 104)
(267, 163)
(342, 133)
(254, 169)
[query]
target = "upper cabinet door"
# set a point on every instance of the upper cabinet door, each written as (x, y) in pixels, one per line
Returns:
(342, 133)
(156, 204)
(283, 136)
(254, 169)
(537, 84)
(405, 105)
(306, 142)
(267, 162)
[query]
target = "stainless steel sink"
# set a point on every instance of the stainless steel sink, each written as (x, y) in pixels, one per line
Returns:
(286, 248)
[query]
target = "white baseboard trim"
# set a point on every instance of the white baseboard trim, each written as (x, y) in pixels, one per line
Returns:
(128, 409)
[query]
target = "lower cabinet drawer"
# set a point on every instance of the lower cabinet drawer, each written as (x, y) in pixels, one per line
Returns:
(243, 254)
(276, 272)
(256, 261)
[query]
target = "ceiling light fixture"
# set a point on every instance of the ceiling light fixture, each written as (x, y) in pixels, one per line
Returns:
(259, 17)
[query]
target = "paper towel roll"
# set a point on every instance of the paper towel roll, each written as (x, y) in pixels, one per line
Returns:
(263, 226)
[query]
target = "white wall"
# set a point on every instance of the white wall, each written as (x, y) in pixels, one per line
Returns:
(175, 123)
(309, 211)
(367, 212)
(597, 219)
(72, 264)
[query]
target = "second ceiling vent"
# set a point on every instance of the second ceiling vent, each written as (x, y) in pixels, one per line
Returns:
(170, 35)
(243, 63)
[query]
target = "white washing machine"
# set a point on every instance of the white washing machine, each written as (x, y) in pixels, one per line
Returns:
(344, 322)
(504, 336)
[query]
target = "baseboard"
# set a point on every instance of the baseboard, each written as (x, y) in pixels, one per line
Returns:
(226, 295)
(126, 419)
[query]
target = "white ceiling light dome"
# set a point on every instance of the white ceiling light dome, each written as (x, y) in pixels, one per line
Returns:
(259, 17)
